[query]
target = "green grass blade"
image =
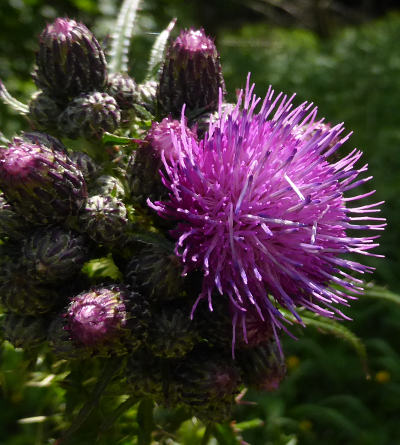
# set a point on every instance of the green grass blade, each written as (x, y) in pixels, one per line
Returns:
(158, 50)
(381, 293)
(121, 37)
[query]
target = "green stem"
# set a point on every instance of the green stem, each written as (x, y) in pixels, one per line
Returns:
(207, 434)
(117, 413)
(145, 421)
(108, 372)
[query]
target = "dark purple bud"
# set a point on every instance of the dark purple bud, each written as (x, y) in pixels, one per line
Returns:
(70, 60)
(53, 254)
(143, 169)
(43, 184)
(89, 116)
(191, 75)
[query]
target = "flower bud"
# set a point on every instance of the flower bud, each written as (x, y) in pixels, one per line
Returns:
(146, 162)
(89, 116)
(108, 185)
(208, 383)
(70, 60)
(20, 295)
(191, 75)
(147, 97)
(43, 184)
(24, 332)
(86, 165)
(44, 111)
(12, 225)
(53, 254)
(104, 219)
(157, 272)
(145, 376)
(107, 319)
(123, 89)
(172, 334)
(262, 367)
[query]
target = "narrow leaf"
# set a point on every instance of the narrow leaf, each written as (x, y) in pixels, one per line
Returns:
(327, 325)
(11, 101)
(158, 50)
(381, 293)
(122, 36)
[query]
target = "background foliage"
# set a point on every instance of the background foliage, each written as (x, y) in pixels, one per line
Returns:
(344, 57)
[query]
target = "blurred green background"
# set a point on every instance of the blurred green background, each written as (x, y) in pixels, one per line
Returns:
(345, 57)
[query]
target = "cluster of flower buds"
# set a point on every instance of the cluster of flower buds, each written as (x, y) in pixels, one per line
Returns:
(225, 219)
(77, 96)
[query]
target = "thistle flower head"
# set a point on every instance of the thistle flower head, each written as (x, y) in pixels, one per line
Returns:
(191, 75)
(261, 211)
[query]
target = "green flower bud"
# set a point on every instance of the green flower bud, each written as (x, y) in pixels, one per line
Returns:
(262, 367)
(44, 111)
(53, 254)
(89, 116)
(89, 168)
(24, 332)
(172, 334)
(108, 185)
(104, 219)
(12, 225)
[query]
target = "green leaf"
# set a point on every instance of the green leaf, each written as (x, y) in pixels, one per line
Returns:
(381, 293)
(13, 103)
(102, 268)
(327, 325)
(122, 36)
(158, 51)
(109, 138)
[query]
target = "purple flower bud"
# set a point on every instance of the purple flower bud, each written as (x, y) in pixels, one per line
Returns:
(191, 75)
(146, 161)
(89, 116)
(107, 319)
(43, 184)
(70, 60)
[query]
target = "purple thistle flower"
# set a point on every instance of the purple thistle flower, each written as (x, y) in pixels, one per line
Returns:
(262, 212)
